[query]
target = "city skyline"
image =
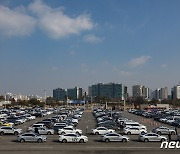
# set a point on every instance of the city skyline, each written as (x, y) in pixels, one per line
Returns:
(49, 44)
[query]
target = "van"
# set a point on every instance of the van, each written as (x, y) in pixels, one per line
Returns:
(35, 126)
(135, 125)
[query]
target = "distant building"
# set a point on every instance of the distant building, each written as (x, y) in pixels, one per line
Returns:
(59, 94)
(70, 94)
(163, 93)
(140, 91)
(114, 91)
(75, 93)
(160, 94)
(156, 94)
(175, 92)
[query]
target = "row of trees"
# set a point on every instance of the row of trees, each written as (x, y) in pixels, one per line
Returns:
(140, 100)
(102, 100)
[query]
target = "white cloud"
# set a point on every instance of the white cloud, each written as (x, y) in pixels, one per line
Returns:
(139, 61)
(121, 72)
(15, 23)
(53, 21)
(91, 38)
(57, 24)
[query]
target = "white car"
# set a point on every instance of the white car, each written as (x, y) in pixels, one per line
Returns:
(152, 137)
(69, 129)
(132, 130)
(10, 130)
(135, 125)
(102, 130)
(45, 131)
(164, 130)
(73, 137)
(114, 137)
(74, 121)
(36, 126)
(30, 117)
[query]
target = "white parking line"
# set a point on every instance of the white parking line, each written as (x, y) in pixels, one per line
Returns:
(130, 148)
(41, 147)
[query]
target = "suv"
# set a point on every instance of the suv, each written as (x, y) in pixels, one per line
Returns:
(10, 130)
(35, 126)
(164, 130)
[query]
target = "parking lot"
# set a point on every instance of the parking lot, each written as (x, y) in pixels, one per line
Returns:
(8, 143)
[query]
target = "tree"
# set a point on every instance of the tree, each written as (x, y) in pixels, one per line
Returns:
(2, 98)
(154, 101)
(138, 101)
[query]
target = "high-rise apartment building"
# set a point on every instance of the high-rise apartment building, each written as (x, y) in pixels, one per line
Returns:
(176, 92)
(75, 93)
(59, 94)
(140, 90)
(114, 91)
(71, 94)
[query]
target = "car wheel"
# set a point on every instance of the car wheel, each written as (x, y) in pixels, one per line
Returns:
(2, 133)
(162, 140)
(49, 133)
(81, 141)
(106, 140)
(159, 133)
(146, 140)
(128, 133)
(64, 141)
(96, 133)
(124, 140)
(22, 140)
(16, 133)
(39, 140)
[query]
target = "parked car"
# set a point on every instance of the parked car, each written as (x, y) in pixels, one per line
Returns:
(73, 137)
(31, 137)
(133, 130)
(69, 129)
(45, 131)
(102, 130)
(114, 137)
(6, 124)
(152, 137)
(31, 128)
(164, 130)
(134, 125)
(9, 130)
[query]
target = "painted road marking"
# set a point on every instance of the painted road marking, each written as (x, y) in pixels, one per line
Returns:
(41, 147)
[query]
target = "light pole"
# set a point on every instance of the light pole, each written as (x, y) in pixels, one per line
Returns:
(124, 102)
(45, 98)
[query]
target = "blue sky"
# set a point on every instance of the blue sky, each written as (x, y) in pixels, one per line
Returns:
(46, 44)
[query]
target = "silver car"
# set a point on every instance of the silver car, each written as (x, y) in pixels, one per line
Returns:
(152, 137)
(31, 137)
(164, 130)
(10, 130)
(114, 137)
(45, 131)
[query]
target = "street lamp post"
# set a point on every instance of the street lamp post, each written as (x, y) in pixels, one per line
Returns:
(45, 98)
(124, 101)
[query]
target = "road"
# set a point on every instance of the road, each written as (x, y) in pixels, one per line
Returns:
(9, 145)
